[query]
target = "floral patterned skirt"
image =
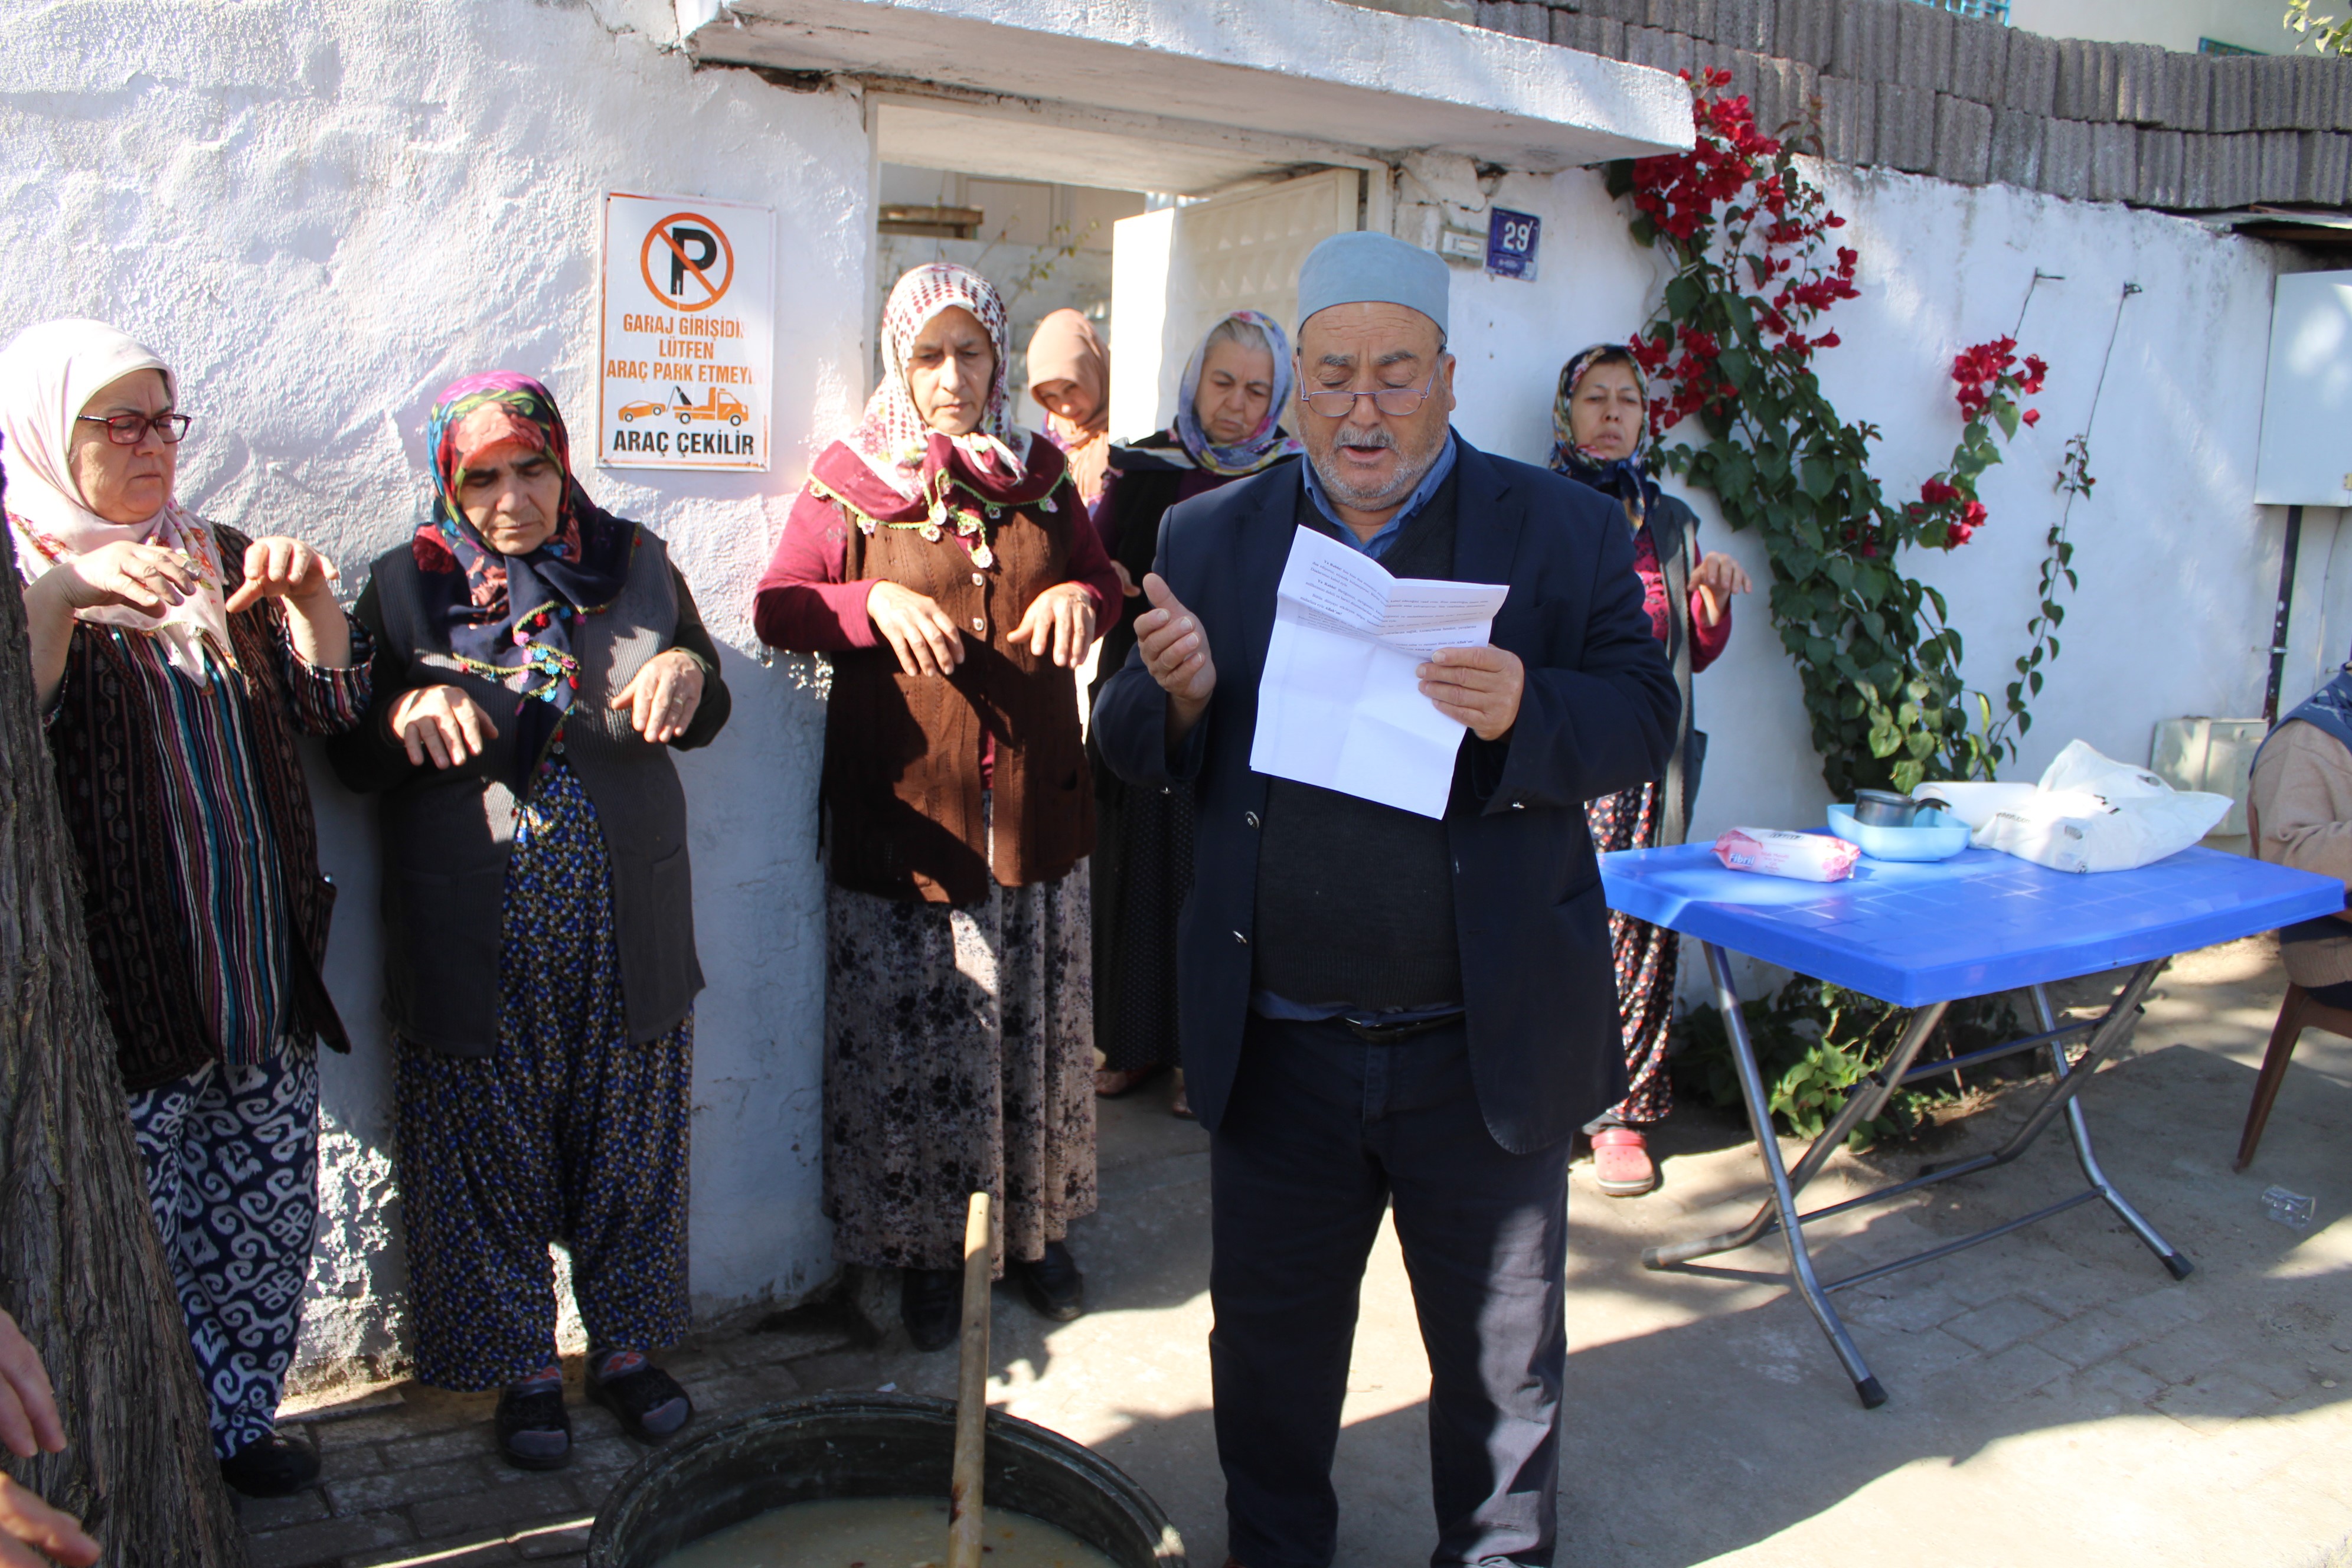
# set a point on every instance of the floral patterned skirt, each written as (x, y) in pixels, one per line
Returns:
(566, 1132)
(1644, 956)
(958, 1057)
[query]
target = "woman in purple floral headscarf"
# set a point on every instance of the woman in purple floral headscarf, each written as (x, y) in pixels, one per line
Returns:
(536, 659)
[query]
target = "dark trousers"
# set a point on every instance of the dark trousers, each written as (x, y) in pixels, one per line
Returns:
(1324, 1132)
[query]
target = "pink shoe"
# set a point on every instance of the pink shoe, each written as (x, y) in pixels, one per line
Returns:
(1620, 1163)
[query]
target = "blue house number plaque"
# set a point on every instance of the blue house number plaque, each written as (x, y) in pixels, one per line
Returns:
(1511, 239)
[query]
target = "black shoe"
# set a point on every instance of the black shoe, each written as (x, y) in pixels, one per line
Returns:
(271, 1467)
(1053, 1285)
(534, 1429)
(649, 1401)
(930, 1303)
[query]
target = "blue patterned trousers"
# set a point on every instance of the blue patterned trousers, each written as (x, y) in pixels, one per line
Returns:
(232, 1157)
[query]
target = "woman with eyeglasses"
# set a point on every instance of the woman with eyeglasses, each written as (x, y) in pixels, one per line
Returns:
(173, 660)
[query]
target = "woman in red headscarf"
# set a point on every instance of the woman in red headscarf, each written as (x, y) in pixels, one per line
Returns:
(942, 559)
(536, 660)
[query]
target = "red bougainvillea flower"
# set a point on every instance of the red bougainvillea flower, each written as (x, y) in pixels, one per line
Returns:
(1956, 535)
(1935, 492)
(2032, 417)
(1972, 515)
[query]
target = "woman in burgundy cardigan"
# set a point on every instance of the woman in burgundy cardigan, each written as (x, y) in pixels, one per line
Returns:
(1600, 427)
(942, 559)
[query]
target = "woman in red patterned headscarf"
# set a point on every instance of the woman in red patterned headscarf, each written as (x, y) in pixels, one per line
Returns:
(942, 558)
(537, 659)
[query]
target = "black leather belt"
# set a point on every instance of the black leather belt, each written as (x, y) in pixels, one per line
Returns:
(1390, 1034)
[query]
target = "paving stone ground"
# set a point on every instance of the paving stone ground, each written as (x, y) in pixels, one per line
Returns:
(2055, 1396)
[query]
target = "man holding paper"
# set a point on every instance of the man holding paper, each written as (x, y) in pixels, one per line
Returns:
(1393, 676)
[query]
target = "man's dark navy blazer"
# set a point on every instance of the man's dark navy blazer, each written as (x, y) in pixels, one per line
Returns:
(1598, 715)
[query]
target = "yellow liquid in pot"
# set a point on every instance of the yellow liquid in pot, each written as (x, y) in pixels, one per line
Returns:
(881, 1533)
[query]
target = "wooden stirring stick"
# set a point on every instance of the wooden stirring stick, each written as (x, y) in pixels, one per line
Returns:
(964, 1502)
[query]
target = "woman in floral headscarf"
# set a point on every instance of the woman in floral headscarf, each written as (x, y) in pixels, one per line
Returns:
(173, 660)
(536, 659)
(1228, 427)
(1600, 429)
(941, 556)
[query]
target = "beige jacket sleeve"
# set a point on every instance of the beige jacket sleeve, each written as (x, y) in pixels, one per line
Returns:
(2301, 797)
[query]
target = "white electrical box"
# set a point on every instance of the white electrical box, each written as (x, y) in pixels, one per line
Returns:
(2212, 755)
(2306, 448)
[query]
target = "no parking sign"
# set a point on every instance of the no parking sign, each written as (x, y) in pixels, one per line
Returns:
(689, 334)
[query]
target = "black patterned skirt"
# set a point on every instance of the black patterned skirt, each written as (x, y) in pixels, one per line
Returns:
(958, 1057)
(1644, 956)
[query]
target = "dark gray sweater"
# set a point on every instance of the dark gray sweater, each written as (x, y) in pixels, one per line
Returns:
(1355, 899)
(448, 836)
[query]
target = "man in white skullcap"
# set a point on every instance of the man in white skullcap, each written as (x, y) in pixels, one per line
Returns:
(1379, 1008)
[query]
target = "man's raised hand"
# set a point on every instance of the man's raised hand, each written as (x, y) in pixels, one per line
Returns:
(1175, 649)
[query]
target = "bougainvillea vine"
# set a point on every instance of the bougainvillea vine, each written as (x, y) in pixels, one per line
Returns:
(1756, 265)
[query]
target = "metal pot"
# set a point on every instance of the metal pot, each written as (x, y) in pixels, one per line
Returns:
(1885, 808)
(869, 1445)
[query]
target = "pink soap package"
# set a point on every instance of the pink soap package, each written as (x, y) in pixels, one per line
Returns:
(1806, 857)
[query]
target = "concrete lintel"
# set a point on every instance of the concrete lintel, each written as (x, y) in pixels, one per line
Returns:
(1316, 70)
(928, 125)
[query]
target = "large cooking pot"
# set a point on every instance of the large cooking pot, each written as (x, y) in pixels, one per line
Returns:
(869, 1445)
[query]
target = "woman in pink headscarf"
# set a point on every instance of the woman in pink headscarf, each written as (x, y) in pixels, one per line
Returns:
(1069, 378)
(942, 558)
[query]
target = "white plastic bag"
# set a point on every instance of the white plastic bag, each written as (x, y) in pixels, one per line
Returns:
(2091, 813)
(1974, 801)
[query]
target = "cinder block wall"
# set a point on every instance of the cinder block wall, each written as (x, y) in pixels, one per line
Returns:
(1907, 86)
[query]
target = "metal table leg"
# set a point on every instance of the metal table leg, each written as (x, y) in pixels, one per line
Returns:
(2177, 1266)
(1784, 1197)
(1868, 1100)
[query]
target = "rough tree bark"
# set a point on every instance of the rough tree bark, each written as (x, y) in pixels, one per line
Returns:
(80, 1267)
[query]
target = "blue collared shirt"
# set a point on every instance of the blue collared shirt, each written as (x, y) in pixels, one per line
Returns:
(1377, 544)
(1266, 1003)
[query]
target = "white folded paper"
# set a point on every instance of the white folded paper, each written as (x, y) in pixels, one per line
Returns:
(1340, 704)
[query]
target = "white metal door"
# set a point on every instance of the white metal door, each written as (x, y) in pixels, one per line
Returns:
(1176, 271)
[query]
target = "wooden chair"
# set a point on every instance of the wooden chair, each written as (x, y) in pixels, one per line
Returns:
(2299, 1012)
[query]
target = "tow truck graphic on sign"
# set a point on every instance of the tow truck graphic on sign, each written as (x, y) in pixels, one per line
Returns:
(721, 405)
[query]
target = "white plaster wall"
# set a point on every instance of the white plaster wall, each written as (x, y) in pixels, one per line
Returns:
(2178, 566)
(322, 216)
(2174, 24)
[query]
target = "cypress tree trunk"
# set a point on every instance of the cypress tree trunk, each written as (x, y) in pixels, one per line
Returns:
(80, 1267)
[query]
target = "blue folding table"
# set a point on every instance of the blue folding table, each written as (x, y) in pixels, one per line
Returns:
(1923, 935)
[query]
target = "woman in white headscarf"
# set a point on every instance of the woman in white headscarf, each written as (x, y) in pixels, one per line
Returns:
(1228, 427)
(173, 661)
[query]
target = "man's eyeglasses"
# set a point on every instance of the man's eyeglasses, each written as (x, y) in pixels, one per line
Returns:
(130, 429)
(1394, 401)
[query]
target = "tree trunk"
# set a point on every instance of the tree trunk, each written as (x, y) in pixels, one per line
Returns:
(80, 1267)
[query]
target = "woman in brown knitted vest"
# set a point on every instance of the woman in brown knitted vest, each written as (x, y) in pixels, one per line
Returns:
(942, 557)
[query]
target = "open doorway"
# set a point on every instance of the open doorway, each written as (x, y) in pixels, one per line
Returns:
(1046, 246)
(1151, 240)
